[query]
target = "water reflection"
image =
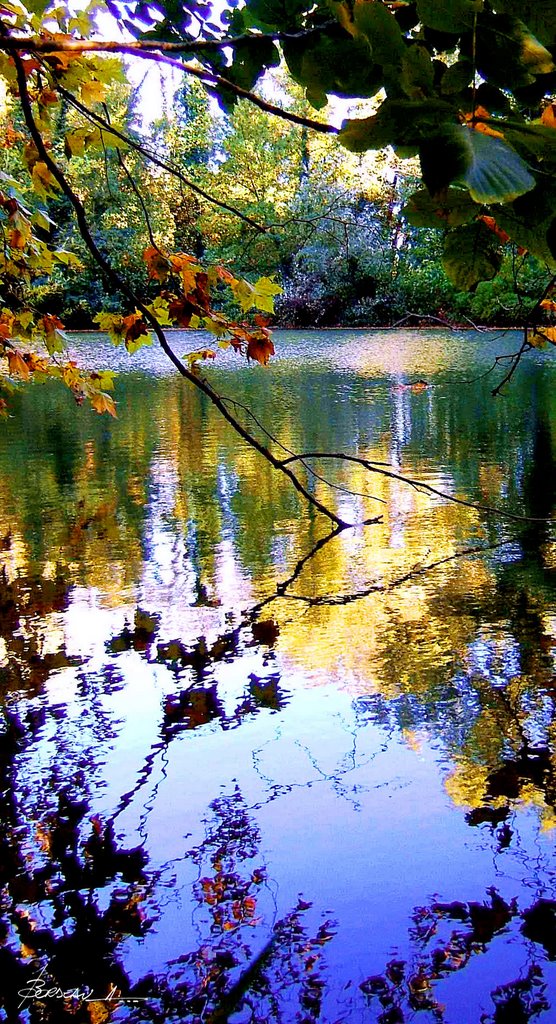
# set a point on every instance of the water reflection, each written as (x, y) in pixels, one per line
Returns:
(254, 770)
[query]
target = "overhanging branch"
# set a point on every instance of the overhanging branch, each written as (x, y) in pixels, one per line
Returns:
(46, 47)
(122, 286)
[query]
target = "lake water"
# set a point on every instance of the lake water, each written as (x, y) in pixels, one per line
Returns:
(253, 772)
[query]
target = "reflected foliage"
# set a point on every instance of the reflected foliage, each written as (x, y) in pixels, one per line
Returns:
(158, 639)
(445, 939)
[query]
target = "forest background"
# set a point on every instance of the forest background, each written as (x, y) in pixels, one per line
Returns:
(339, 237)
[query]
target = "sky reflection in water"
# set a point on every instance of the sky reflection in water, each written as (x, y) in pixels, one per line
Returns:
(339, 808)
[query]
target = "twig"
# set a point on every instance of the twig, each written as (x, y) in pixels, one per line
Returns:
(149, 317)
(34, 45)
(91, 115)
(385, 588)
(532, 318)
(417, 484)
(313, 472)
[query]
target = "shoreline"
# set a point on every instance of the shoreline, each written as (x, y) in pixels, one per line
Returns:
(478, 328)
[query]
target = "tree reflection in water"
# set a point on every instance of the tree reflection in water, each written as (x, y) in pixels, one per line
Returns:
(465, 663)
(73, 894)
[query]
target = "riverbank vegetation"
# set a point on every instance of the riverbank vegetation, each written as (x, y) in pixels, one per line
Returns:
(341, 233)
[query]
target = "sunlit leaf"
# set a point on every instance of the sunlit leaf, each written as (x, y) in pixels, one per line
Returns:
(102, 402)
(260, 349)
(44, 183)
(55, 339)
(17, 365)
(93, 92)
(541, 336)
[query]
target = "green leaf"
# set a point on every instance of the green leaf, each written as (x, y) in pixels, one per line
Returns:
(417, 75)
(489, 167)
(452, 16)
(451, 209)
(375, 22)
(528, 220)
(507, 52)
(396, 123)
(536, 139)
(495, 173)
(538, 15)
(275, 14)
(471, 255)
(333, 62)
(457, 77)
(36, 6)
(251, 58)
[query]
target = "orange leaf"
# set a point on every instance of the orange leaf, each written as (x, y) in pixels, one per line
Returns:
(6, 324)
(480, 126)
(188, 268)
(260, 349)
(181, 311)
(491, 224)
(158, 264)
(548, 116)
(102, 402)
(225, 275)
(17, 365)
(47, 96)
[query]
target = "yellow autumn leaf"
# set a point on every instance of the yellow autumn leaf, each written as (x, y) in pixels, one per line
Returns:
(71, 375)
(539, 336)
(44, 184)
(102, 402)
(264, 292)
(161, 310)
(25, 318)
(99, 1011)
(74, 143)
(93, 91)
(243, 294)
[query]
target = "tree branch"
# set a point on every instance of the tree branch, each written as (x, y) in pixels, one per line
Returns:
(14, 44)
(149, 46)
(121, 285)
(525, 345)
(417, 484)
